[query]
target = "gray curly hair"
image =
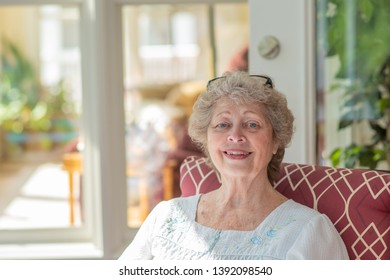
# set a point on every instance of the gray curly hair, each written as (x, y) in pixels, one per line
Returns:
(243, 88)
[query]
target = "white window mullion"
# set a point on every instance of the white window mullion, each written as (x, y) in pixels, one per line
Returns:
(104, 125)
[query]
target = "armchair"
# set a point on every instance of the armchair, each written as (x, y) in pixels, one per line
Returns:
(357, 201)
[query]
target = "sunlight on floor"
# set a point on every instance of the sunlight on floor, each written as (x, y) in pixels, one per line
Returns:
(42, 201)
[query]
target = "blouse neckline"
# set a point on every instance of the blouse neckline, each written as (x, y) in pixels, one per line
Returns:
(270, 216)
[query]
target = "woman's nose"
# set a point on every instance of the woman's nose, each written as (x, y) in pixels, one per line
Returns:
(236, 135)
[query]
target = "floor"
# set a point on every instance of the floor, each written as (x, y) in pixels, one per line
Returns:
(34, 192)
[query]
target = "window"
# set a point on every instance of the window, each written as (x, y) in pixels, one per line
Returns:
(169, 55)
(352, 66)
(41, 116)
(40, 78)
(79, 44)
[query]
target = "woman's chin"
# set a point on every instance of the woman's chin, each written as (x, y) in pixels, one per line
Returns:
(236, 170)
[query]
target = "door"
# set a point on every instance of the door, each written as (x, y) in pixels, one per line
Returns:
(292, 24)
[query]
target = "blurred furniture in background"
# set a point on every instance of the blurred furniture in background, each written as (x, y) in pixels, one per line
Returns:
(356, 200)
(72, 164)
(184, 148)
(156, 127)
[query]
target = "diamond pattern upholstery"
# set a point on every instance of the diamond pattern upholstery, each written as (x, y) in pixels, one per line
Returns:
(356, 200)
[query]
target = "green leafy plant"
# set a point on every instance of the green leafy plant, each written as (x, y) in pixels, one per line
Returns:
(357, 34)
(25, 105)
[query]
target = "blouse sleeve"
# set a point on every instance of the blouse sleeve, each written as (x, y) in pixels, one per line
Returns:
(140, 247)
(318, 240)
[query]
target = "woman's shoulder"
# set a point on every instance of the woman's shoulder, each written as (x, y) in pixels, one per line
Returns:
(187, 204)
(179, 201)
(182, 205)
(301, 212)
(312, 227)
(300, 218)
(185, 200)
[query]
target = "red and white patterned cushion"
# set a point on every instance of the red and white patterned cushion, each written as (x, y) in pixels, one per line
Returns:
(356, 200)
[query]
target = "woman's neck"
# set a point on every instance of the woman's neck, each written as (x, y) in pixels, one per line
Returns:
(244, 191)
(236, 207)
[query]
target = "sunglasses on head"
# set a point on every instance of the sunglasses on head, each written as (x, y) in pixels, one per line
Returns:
(267, 80)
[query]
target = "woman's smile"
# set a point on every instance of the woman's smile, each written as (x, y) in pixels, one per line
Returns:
(236, 154)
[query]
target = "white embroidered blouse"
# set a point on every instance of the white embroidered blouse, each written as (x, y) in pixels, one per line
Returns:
(291, 231)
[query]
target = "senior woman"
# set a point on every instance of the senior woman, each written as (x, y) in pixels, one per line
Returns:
(243, 125)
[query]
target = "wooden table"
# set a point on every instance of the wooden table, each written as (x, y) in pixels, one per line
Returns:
(72, 163)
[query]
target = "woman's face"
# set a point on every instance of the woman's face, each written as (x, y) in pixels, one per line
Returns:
(239, 139)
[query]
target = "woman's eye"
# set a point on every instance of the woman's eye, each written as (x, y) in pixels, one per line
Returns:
(222, 125)
(252, 125)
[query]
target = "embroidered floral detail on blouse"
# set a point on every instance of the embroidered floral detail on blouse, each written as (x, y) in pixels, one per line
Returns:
(176, 223)
(271, 233)
(173, 224)
(264, 239)
(215, 241)
(256, 240)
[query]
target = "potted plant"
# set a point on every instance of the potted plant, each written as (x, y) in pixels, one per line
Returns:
(31, 116)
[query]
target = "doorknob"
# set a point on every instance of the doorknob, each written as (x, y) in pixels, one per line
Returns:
(268, 47)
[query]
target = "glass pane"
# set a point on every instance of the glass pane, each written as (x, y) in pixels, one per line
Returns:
(353, 69)
(170, 52)
(40, 108)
